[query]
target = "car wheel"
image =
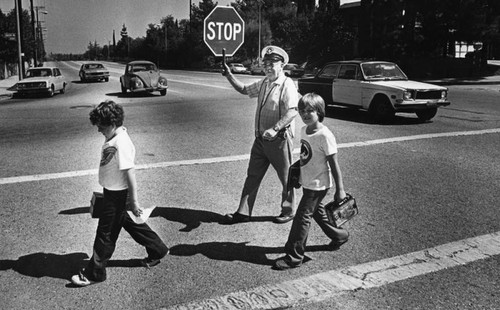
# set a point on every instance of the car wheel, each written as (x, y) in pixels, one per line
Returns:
(425, 115)
(381, 110)
(106, 80)
(163, 92)
(63, 89)
(124, 89)
(51, 91)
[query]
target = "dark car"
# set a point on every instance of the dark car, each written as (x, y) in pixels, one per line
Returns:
(143, 76)
(93, 71)
(380, 87)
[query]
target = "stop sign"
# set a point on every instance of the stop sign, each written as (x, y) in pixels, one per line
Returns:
(223, 28)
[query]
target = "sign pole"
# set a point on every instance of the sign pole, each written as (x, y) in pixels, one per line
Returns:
(224, 60)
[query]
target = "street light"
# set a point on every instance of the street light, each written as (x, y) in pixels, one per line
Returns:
(260, 26)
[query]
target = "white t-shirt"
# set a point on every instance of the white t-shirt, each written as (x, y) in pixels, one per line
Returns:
(117, 157)
(314, 168)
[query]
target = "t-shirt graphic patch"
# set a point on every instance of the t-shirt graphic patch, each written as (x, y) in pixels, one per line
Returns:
(107, 155)
(305, 152)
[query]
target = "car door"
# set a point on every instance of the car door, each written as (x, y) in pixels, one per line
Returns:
(347, 85)
(323, 82)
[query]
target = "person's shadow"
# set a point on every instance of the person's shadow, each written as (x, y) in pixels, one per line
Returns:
(232, 251)
(60, 266)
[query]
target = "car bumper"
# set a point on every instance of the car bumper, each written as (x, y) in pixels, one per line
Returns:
(96, 77)
(33, 91)
(148, 89)
(412, 106)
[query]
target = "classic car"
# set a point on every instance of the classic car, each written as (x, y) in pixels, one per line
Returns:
(42, 80)
(293, 70)
(143, 76)
(257, 70)
(93, 71)
(237, 68)
(379, 87)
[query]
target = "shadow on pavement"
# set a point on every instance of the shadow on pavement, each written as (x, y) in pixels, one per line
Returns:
(38, 265)
(189, 217)
(60, 266)
(231, 251)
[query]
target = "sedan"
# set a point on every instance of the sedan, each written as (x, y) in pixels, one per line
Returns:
(42, 80)
(143, 76)
(293, 70)
(379, 87)
(237, 68)
(93, 71)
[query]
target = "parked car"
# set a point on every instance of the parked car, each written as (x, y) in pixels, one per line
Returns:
(237, 68)
(143, 76)
(42, 80)
(93, 71)
(293, 70)
(379, 87)
(257, 70)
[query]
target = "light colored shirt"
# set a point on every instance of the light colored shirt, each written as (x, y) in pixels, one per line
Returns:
(117, 157)
(315, 172)
(269, 111)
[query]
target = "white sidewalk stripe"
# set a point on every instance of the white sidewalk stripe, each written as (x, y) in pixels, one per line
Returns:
(325, 285)
(51, 176)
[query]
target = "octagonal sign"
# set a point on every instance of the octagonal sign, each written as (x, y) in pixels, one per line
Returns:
(223, 28)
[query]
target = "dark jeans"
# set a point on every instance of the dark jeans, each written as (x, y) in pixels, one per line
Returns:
(114, 217)
(311, 206)
(277, 153)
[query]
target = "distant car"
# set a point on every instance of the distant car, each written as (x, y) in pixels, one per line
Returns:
(379, 87)
(237, 68)
(143, 76)
(93, 71)
(257, 70)
(42, 80)
(289, 68)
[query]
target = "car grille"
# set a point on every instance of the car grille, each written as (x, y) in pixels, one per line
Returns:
(31, 85)
(427, 94)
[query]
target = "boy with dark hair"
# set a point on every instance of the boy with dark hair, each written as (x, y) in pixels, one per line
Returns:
(117, 177)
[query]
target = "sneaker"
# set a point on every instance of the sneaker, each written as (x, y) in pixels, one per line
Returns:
(335, 245)
(283, 218)
(81, 280)
(149, 262)
(283, 264)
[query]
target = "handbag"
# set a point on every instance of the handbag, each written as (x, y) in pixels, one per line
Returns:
(96, 204)
(294, 175)
(340, 212)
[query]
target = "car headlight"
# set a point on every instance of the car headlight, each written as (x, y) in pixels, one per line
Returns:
(444, 94)
(162, 82)
(407, 95)
(137, 83)
(42, 85)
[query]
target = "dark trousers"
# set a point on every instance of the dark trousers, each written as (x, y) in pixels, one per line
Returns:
(311, 206)
(114, 217)
(277, 153)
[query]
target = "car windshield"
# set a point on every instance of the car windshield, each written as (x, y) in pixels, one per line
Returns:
(38, 72)
(290, 66)
(382, 71)
(238, 65)
(94, 66)
(142, 67)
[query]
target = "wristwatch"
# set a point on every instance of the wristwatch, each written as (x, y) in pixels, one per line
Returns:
(276, 128)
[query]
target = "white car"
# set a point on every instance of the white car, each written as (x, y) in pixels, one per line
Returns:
(42, 80)
(237, 68)
(380, 87)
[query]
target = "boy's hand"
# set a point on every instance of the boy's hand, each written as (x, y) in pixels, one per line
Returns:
(339, 195)
(136, 209)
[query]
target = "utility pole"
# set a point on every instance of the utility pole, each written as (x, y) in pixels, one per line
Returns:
(19, 39)
(35, 54)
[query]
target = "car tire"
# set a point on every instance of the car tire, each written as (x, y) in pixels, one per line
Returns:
(427, 114)
(63, 89)
(163, 92)
(124, 89)
(381, 110)
(51, 91)
(106, 80)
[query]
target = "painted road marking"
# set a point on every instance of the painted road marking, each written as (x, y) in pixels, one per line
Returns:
(326, 285)
(78, 173)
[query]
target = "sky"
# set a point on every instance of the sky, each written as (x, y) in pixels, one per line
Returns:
(72, 24)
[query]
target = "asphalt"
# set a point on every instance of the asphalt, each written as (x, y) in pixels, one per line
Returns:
(6, 85)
